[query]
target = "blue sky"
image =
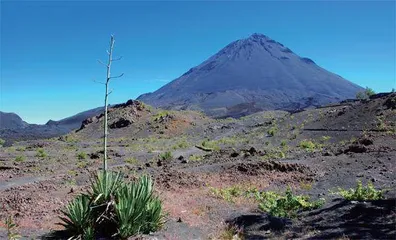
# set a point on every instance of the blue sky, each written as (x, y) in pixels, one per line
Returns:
(49, 49)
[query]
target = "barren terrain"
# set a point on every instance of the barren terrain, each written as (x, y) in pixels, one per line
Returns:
(313, 151)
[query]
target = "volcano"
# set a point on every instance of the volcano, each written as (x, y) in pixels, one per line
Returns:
(250, 75)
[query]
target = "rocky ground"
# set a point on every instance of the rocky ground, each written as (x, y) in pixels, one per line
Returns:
(313, 151)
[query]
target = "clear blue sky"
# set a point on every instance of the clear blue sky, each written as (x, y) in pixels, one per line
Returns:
(49, 49)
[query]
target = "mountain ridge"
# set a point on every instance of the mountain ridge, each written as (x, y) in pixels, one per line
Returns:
(10, 120)
(13, 128)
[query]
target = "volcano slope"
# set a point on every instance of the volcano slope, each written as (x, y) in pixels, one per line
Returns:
(313, 152)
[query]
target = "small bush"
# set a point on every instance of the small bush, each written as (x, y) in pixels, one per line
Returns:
(287, 204)
(274, 154)
(308, 145)
(325, 138)
(181, 144)
(20, 149)
(20, 158)
(166, 156)
(272, 131)
(365, 94)
(131, 160)
(227, 193)
(361, 193)
(160, 114)
(2, 141)
(12, 228)
(369, 91)
(81, 155)
(195, 158)
(305, 185)
(146, 106)
(72, 173)
(68, 138)
(283, 143)
(82, 164)
(230, 193)
(210, 145)
(41, 153)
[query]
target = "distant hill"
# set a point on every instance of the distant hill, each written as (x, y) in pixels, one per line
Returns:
(11, 121)
(74, 122)
(13, 128)
(250, 75)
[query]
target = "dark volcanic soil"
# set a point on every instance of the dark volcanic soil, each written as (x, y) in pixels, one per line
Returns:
(267, 151)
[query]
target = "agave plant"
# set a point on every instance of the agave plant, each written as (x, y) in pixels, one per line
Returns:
(104, 185)
(137, 209)
(11, 227)
(77, 218)
(103, 189)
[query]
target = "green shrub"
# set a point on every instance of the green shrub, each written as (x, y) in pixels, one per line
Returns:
(274, 154)
(308, 145)
(287, 204)
(2, 141)
(361, 193)
(305, 185)
(181, 144)
(20, 158)
(227, 193)
(68, 138)
(369, 91)
(72, 173)
(325, 138)
(195, 158)
(283, 143)
(81, 155)
(160, 114)
(281, 154)
(41, 153)
(272, 131)
(166, 156)
(82, 164)
(365, 94)
(232, 192)
(12, 228)
(146, 106)
(20, 149)
(131, 160)
(210, 145)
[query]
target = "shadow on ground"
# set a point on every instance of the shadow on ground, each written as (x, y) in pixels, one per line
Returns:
(366, 220)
